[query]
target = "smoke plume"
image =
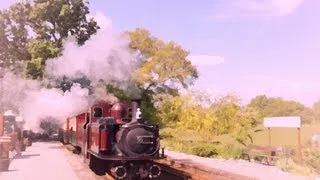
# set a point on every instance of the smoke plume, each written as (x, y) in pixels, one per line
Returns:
(104, 59)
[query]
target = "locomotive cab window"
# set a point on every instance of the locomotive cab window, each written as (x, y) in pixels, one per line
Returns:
(97, 112)
(129, 113)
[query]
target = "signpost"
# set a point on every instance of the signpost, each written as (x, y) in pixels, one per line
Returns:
(1, 125)
(286, 122)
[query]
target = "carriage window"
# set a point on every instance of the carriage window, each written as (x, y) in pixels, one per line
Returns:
(130, 112)
(97, 112)
(88, 117)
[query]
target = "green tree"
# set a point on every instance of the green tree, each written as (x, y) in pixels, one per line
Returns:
(224, 116)
(234, 119)
(269, 106)
(164, 68)
(184, 112)
(49, 22)
(13, 35)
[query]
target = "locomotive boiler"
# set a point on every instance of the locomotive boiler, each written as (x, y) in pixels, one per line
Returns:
(115, 140)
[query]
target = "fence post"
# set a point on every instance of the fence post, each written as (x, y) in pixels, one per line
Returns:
(1, 124)
(298, 148)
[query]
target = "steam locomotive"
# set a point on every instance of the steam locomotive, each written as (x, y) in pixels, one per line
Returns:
(115, 139)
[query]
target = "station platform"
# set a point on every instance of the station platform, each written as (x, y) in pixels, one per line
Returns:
(41, 161)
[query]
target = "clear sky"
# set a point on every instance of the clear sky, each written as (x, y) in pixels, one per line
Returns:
(248, 47)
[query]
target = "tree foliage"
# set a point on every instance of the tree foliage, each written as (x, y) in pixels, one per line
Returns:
(34, 32)
(224, 116)
(13, 35)
(270, 106)
(164, 68)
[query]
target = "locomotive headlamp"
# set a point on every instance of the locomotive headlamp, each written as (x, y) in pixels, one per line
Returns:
(116, 107)
(138, 113)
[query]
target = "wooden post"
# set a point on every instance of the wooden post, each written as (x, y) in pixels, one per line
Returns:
(269, 143)
(68, 131)
(1, 124)
(298, 148)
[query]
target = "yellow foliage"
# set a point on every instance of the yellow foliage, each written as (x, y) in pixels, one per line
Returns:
(224, 116)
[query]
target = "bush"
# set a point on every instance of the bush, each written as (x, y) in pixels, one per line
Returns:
(204, 150)
(310, 165)
(311, 158)
(229, 151)
(166, 133)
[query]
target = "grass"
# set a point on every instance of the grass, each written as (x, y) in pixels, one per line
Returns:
(279, 136)
(226, 147)
(285, 136)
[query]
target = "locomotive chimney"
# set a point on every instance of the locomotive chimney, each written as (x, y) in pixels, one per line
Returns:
(136, 114)
(1, 124)
(137, 100)
(134, 111)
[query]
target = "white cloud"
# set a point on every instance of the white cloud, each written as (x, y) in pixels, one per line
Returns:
(255, 8)
(206, 60)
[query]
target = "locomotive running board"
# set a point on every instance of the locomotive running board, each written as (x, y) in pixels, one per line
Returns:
(123, 158)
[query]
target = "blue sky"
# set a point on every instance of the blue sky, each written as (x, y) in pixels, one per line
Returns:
(252, 46)
(247, 47)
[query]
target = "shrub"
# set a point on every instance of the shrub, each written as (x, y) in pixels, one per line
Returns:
(310, 165)
(204, 150)
(229, 151)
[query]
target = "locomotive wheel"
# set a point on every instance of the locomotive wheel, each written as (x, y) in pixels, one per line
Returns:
(96, 165)
(77, 150)
(23, 146)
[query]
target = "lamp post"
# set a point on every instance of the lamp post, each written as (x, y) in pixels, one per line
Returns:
(1, 105)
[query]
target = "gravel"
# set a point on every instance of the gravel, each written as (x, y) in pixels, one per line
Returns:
(241, 167)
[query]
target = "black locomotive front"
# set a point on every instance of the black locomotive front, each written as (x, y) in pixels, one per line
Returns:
(135, 145)
(138, 139)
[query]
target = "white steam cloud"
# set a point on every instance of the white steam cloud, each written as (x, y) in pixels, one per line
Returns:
(13, 90)
(105, 58)
(54, 103)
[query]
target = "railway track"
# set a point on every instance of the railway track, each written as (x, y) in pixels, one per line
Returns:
(173, 169)
(166, 175)
(190, 170)
(85, 173)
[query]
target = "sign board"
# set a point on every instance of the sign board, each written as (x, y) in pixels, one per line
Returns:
(289, 122)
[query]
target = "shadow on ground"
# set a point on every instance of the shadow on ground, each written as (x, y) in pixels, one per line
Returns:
(26, 156)
(56, 147)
